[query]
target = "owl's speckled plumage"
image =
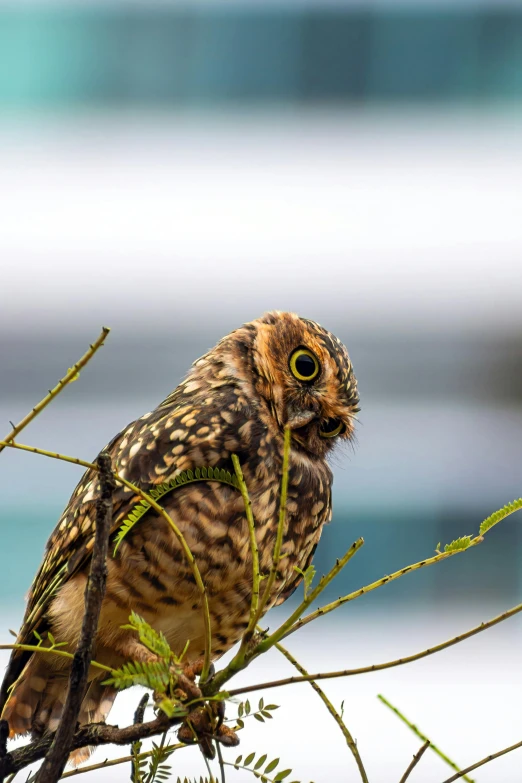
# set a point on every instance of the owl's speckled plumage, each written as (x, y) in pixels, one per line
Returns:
(236, 399)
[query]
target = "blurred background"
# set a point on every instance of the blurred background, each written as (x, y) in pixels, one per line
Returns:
(172, 169)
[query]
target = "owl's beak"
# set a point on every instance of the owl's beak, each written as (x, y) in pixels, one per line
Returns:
(299, 418)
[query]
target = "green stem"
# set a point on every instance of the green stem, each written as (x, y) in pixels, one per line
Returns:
(276, 558)
(253, 549)
(300, 622)
(323, 583)
(53, 651)
(422, 737)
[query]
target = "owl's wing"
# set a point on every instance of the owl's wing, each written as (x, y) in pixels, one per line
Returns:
(139, 450)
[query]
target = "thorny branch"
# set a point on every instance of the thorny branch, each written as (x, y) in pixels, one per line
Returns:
(57, 756)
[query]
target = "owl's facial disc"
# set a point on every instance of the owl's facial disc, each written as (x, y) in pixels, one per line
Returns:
(307, 379)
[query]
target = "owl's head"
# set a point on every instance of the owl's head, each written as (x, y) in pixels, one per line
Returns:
(305, 376)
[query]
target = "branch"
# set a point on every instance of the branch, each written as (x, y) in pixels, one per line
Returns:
(380, 666)
(421, 736)
(480, 763)
(331, 709)
(379, 583)
(417, 757)
(161, 511)
(71, 375)
(56, 759)
(122, 760)
(94, 734)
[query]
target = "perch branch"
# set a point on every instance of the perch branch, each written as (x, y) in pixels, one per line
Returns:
(94, 734)
(56, 758)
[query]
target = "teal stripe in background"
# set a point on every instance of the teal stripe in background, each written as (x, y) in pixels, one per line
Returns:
(161, 55)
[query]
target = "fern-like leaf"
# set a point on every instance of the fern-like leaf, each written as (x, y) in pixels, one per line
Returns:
(153, 641)
(499, 515)
(459, 545)
(186, 477)
(154, 675)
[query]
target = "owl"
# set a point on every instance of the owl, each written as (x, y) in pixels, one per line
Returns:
(280, 371)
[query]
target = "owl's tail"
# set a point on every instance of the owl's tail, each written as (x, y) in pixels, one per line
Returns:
(35, 703)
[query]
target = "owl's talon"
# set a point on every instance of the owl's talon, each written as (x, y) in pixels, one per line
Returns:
(226, 736)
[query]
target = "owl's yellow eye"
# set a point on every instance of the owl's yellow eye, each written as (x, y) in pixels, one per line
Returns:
(303, 365)
(330, 428)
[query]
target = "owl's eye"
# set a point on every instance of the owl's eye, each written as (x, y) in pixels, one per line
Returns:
(303, 365)
(331, 427)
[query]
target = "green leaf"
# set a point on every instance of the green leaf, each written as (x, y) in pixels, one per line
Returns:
(459, 545)
(270, 767)
(247, 707)
(261, 760)
(259, 717)
(282, 775)
(241, 709)
(249, 759)
(261, 704)
(499, 515)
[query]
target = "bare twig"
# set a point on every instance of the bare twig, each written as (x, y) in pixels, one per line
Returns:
(486, 760)
(421, 736)
(115, 762)
(380, 666)
(415, 760)
(136, 747)
(331, 709)
(56, 759)
(71, 375)
(221, 762)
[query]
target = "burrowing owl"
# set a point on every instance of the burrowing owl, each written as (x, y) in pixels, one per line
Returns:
(278, 371)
